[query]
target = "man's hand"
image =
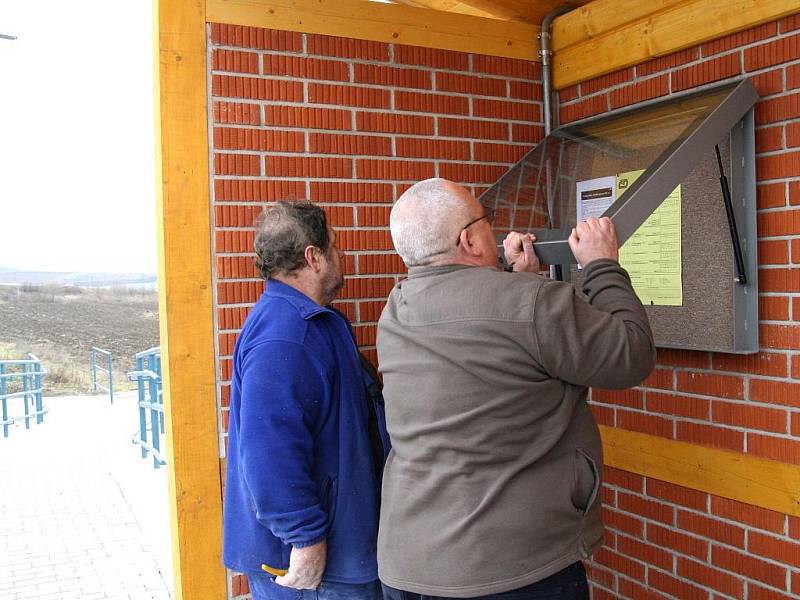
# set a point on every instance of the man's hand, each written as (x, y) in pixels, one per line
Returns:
(519, 252)
(593, 239)
(306, 566)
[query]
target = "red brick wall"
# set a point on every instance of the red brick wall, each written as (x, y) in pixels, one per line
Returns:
(680, 543)
(349, 124)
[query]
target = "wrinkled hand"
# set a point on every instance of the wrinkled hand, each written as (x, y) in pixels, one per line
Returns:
(306, 566)
(593, 239)
(519, 252)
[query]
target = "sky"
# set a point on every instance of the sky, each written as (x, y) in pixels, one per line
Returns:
(77, 184)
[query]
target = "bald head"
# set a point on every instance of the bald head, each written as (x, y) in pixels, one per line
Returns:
(427, 219)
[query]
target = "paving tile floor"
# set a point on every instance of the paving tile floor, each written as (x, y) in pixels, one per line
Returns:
(82, 515)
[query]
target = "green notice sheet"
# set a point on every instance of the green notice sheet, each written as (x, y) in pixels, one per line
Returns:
(652, 256)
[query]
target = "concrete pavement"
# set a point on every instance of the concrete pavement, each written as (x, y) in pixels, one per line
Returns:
(81, 514)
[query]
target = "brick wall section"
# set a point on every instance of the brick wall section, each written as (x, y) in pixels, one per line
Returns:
(349, 124)
(670, 542)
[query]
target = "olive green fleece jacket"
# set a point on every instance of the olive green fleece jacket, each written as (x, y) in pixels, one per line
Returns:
(492, 483)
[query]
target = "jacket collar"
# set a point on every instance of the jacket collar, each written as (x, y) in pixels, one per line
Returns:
(417, 272)
(304, 305)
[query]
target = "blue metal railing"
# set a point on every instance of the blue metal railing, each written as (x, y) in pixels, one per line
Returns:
(151, 404)
(27, 374)
(108, 369)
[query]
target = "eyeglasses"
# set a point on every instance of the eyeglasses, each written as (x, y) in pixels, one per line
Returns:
(488, 215)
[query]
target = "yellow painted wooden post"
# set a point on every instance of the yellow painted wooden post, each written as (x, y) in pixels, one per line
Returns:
(185, 299)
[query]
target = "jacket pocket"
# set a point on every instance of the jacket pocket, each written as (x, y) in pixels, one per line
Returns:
(329, 487)
(586, 481)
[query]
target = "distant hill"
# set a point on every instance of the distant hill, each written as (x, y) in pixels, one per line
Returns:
(78, 279)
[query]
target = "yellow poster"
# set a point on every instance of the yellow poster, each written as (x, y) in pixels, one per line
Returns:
(652, 256)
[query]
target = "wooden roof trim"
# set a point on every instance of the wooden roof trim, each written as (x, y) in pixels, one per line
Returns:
(601, 16)
(393, 23)
(684, 25)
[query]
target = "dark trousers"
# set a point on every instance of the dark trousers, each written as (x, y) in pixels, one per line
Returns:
(263, 587)
(567, 584)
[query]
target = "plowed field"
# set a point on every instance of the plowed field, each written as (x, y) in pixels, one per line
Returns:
(60, 326)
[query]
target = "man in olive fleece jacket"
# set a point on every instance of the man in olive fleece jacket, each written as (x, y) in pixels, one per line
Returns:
(492, 486)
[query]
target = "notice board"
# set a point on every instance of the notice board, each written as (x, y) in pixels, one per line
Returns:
(716, 312)
(666, 149)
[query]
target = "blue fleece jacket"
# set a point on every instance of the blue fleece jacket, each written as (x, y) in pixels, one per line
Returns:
(299, 464)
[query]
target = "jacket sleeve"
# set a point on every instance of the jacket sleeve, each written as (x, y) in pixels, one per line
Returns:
(605, 342)
(283, 391)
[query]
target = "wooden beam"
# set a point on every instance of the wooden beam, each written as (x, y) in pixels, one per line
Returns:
(186, 314)
(684, 25)
(602, 16)
(526, 11)
(453, 6)
(391, 23)
(757, 481)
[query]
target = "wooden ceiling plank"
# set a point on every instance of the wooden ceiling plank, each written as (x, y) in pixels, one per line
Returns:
(683, 26)
(526, 11)
(513, 10)
(392, 23)
(453, 6)
(540, 8)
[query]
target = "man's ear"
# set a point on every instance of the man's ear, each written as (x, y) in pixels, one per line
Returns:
(312, 256)
(467, 245)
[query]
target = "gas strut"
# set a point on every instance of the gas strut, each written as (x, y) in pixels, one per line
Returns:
(726, 196)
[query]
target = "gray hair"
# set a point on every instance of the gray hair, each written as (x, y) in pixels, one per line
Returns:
(426, 221)
(283, 231)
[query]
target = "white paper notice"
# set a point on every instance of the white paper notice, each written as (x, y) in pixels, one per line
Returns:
(595, 196)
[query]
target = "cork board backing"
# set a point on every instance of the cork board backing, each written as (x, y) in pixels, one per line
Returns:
(706, 320)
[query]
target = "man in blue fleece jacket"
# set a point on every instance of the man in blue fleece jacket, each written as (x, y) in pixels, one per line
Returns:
(302, 488)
